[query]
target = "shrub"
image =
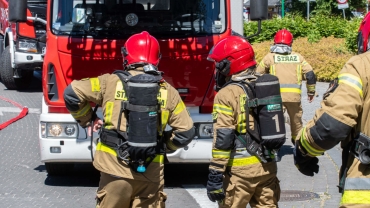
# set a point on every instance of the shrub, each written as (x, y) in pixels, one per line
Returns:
(319, 26)
(327, 56)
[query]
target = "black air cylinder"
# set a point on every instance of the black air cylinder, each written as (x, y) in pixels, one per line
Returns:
(142, 130)
(271, 116)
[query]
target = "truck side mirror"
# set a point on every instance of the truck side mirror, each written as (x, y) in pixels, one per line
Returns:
(17, 10)
(258, 9)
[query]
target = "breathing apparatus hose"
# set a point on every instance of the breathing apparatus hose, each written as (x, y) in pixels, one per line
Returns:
(92, 132)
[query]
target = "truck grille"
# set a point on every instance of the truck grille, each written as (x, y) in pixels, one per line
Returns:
(52, 84)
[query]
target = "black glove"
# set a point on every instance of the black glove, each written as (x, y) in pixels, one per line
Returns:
(306, 165)
(215, 192)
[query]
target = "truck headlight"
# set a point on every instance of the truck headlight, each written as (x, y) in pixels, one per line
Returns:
(59, 130)
(27, 46)
(205, 130)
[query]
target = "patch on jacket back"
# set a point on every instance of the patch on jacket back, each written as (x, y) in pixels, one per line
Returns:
(286, 59)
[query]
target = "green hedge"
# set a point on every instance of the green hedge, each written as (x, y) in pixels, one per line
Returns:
(317, 27)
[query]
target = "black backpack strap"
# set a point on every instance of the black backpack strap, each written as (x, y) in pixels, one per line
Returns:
(124, 76)
(247, 88)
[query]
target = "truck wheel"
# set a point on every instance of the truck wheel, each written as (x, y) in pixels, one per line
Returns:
(6, 73)
(59, 169)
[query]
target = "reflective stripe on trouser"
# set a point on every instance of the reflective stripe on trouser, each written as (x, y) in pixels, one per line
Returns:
(356, 193)
(115, 192)
(259, 192)
(295, 112)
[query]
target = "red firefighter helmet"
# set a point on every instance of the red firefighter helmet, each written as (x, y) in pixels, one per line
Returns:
(232, 55)
(363, 42)
(283, 37)
(141, 49)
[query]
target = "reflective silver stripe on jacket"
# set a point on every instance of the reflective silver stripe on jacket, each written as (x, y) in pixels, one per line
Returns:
(297, 86)
(357, 184)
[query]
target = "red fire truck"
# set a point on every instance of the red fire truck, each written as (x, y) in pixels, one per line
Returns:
(22, 43)
(84, 39)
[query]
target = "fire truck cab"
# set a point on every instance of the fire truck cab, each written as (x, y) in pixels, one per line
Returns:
(22, 43)
(84, 39)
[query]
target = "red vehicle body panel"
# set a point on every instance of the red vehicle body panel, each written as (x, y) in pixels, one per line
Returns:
(183, 62)
(24, 29)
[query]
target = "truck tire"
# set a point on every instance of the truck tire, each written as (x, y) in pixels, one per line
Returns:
(6, 73)
(1, 45)
(59, 169)
(1, 49)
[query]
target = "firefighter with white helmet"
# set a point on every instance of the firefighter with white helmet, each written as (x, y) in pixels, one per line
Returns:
(290, 67)
(343, 118)
(137, 104)
(243, 169)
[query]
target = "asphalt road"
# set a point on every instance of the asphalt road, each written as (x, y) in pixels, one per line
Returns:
(25, 183)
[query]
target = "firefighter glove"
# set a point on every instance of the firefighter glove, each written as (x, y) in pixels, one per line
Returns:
(306, 165)
(215, 191)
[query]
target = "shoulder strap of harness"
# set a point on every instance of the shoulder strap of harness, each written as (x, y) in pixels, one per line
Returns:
(124, 76)
(247, 88)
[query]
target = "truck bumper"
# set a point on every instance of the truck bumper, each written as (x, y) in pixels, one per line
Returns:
(28, 60)
(78, 150)
(71, 150)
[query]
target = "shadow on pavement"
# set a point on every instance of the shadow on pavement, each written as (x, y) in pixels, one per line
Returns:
(36, 84)
(176, 175)
(84, 175)
(285, 150)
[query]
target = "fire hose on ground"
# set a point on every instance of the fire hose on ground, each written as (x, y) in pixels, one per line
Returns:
(23, 113)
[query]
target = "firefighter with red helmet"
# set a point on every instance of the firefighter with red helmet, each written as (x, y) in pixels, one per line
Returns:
(243, 169)
(290, 67)
(343, 118)
(137, 104)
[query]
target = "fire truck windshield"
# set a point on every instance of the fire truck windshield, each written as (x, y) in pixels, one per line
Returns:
(122, 18)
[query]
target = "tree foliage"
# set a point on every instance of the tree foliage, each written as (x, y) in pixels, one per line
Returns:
(319, 26)
(325, 7)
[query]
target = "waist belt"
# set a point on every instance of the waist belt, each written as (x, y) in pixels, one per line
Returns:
(117, 142)
(112, 138)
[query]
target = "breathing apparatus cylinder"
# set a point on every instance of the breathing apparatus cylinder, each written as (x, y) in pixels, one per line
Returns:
(270, 111)
(142, 117)
(142, 128)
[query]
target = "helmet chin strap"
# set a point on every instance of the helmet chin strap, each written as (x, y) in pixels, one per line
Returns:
(220, 80)
(223, 67)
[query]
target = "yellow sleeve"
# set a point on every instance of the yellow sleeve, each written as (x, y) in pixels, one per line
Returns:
(264, 65)
(223, 125)
(80, 93)
(180, 121)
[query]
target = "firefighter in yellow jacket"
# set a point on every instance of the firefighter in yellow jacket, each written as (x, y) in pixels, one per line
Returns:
(343, 117)
(243, 170)
(290, 67)
(137, 105)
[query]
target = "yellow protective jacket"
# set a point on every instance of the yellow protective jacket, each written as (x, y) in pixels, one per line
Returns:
(229, 118)
(344, 113)
(106, 91)
(290, 69)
